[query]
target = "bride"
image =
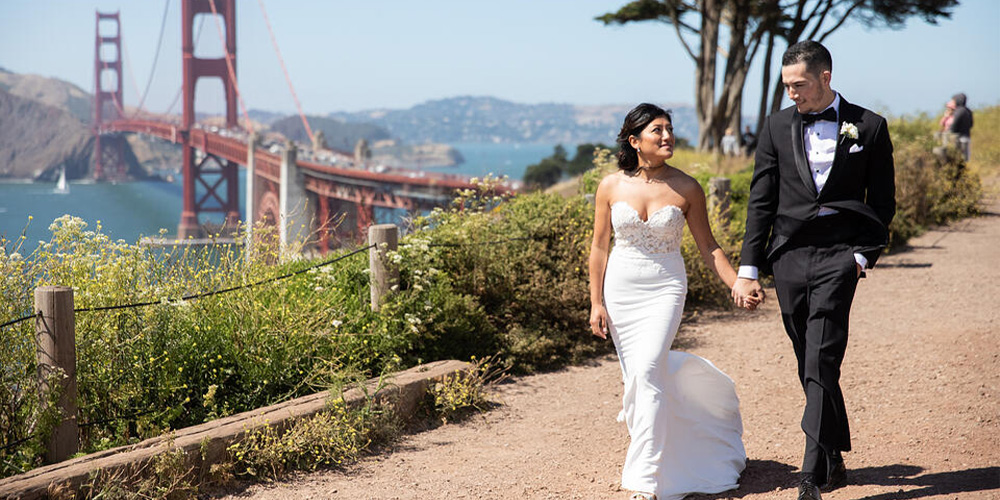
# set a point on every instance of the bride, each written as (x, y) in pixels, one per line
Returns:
(682, 413)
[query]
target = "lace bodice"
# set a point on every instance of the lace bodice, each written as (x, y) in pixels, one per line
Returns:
(661, 233)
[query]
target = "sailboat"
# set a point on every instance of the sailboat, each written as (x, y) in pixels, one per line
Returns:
(62, 187)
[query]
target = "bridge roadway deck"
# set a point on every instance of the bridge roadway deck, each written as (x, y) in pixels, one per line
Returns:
(232, 146)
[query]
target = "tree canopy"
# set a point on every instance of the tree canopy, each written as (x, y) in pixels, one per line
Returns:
(749, 25)
(552, 168)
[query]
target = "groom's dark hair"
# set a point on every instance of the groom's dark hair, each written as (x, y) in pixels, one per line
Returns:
(814, 54)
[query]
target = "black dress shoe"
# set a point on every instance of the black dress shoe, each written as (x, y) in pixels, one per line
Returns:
(837, 476)
(808, 491)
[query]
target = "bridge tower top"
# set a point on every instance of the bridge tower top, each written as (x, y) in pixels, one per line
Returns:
(109, 159)
(105, 63)
(195, 67)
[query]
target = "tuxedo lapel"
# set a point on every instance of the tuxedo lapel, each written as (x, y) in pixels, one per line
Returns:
(799, 152)
(845, 115)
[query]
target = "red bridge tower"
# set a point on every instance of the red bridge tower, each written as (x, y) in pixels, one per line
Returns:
(109, 150)
(217, 177)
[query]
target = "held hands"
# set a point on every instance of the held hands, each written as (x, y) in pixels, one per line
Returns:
(747, 294)
(599, 321)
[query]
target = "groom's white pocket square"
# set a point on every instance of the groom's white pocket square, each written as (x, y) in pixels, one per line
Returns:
(856, 148)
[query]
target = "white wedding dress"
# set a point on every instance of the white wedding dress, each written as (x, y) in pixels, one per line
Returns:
(682, 413)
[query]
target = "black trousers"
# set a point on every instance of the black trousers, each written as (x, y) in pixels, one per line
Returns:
(815, 283)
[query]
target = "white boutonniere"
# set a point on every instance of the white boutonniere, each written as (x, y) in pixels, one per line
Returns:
(849, 130)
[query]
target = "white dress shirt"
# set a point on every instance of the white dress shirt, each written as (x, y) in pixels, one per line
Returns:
(820, 142)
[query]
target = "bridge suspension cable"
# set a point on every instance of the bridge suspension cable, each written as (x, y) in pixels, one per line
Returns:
(288, 79)
(156, 55)
(229, 66)
(131, 77)
(180, 90)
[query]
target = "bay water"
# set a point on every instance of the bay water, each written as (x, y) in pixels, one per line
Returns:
(131, 210)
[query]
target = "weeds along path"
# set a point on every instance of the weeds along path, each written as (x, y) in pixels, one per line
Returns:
(921, 378)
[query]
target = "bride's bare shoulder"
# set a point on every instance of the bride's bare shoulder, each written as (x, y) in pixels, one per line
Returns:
(607, 189)
(685, 184)
(610, 181)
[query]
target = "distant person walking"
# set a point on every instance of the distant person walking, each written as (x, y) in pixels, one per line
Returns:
(730, 143)
(749, 142)
(949, 116)
(961, 124)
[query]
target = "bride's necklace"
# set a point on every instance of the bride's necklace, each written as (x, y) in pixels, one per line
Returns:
(651, 173)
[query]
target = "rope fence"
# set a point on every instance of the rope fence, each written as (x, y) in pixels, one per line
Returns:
(273, 279)
(203, 294)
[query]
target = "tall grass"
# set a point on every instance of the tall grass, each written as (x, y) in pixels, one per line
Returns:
(985, 156)
(142, 371)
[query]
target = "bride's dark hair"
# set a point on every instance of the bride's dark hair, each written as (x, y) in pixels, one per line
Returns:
(635, 121)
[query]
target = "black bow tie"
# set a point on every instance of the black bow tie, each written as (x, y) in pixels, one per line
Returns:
(829, 115)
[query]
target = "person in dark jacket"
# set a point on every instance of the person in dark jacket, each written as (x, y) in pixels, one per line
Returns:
(961, 124)
(821, 201)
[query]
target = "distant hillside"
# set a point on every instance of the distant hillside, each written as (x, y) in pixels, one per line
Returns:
(43, 129)
(265, 117)
(50, 91)
(339, 135)
(384, 148)
(492, 120)
(38, 140)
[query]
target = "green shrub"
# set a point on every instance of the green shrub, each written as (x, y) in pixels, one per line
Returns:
(523, 261)
(176, 363)
(932, 187)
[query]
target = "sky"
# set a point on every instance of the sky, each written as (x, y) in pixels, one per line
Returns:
(354, 55)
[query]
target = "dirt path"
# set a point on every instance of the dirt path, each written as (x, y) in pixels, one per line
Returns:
(921, 378)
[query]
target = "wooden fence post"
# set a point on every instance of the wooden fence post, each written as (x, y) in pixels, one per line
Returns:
(55, 334)
(384, 274)
(719, 193)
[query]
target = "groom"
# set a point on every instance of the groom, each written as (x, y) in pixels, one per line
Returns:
(821, 199)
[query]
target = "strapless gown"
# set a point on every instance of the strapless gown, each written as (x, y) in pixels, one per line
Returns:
(681, 411)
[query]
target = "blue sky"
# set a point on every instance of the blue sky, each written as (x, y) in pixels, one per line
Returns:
(346, 56)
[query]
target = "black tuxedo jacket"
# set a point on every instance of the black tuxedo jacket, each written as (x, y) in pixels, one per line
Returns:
(783, 196)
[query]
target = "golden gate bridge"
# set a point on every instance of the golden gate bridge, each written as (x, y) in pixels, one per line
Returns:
(300, 197)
